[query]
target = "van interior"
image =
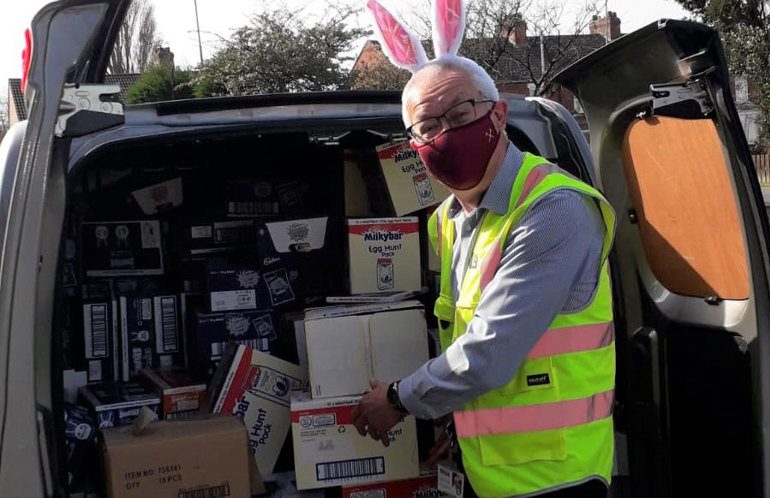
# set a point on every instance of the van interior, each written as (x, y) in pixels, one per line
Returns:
(684, 406)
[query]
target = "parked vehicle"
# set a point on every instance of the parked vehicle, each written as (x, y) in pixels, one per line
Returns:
(690, 265)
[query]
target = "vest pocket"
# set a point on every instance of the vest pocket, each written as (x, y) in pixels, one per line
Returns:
(516, 449)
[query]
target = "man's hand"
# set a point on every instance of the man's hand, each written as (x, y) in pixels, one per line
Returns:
(374, 413)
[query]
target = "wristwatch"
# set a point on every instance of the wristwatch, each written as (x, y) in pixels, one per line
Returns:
(394, 399)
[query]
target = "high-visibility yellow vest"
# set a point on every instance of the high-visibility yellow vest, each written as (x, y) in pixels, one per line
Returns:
(551, 425)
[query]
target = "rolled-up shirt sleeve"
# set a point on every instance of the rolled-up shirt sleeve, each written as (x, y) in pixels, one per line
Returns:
(549, 248)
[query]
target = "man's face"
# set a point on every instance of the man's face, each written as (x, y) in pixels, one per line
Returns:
(433, 93)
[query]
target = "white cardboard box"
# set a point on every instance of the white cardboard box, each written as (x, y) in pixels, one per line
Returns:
(328, 451)
(358, 344)
(384, 255)
(411, 187)
(256, 386)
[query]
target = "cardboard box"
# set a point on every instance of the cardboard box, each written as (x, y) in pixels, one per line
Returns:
(207, 237)
(237, 287)
(410, 186)
(118, 248)
(262, 199)
(117, 404)
(384, 255)
(160, 197)
(100, 332)
(425, 486)
(347, 351)
(178, 459)
(256, 387)
(213, 331)
(312, 248)
(328, 451)
(181, 395)
(150, 333)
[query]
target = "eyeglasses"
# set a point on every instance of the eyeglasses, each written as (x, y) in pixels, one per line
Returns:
(427, 130)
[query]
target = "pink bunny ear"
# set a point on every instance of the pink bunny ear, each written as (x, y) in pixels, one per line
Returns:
(402, 47)
(448, 26)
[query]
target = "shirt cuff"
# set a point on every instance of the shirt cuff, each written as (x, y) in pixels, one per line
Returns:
(410, 398)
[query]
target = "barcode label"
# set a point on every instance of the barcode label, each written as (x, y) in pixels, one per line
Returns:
(210, 492)
(251, 208)
(350, 468)
(218, 348)
(96, 330)
(167, 332)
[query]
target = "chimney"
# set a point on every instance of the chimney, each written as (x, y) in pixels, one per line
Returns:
(608, 27)
(163, 56)
(515, 29)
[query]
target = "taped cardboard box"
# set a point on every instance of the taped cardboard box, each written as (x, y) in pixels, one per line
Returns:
(384, 255)
(425, 486)
(181, 395)
(328, 451)
(256, 387)
(410, 186)
(205, 456)
(354, 346)
(119, 248)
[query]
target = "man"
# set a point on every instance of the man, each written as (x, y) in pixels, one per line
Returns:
(525, 309)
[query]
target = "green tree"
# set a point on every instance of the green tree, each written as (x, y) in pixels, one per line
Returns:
(744, 26)
(282, 51)
(161, 82)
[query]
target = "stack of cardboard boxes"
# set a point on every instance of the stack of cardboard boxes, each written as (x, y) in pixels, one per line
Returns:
(223, 312)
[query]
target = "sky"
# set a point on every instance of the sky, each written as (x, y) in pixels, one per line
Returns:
(176, 24)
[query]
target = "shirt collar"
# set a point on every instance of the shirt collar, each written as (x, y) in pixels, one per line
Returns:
(497, 198)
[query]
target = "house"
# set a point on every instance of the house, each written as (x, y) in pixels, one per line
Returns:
(520, 63)
(17, 111)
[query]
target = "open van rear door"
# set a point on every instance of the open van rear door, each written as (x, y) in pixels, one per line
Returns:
(71, 45)
(690, 265)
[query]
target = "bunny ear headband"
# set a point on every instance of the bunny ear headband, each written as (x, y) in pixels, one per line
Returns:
(404, 49)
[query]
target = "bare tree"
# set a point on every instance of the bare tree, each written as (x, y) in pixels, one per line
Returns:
(491, 24)
(136, 40)
(4, 117)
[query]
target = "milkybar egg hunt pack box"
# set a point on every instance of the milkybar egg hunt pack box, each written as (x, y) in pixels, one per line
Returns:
(411, 188)
(384, 255)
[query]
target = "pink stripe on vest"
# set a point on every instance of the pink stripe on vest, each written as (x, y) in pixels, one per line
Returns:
(534, 178)
(531, 418)
(573, 339)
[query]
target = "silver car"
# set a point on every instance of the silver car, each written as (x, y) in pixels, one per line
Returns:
(690, 266)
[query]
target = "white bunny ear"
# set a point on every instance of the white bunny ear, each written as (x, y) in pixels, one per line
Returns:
(401, 46)
(448, 26)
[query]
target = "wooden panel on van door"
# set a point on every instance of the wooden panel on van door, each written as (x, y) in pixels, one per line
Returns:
(688, 217)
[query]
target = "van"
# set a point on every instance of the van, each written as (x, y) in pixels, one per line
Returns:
(689, 267)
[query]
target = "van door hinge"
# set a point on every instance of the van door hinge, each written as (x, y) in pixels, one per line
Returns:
(85, 109)
(688, 100)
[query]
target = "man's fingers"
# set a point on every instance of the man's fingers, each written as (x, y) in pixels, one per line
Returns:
(359, 421)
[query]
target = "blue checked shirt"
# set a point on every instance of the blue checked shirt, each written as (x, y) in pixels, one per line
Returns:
(549, 266)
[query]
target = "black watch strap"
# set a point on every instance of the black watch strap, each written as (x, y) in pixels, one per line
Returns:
(394, 398)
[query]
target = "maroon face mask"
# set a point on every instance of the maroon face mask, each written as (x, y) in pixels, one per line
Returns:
(459, 157)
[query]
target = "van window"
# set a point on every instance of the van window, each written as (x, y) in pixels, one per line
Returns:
(686, 207)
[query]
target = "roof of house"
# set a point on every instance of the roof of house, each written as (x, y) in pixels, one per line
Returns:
(16, 95)
(522, 62)
(125, 81)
